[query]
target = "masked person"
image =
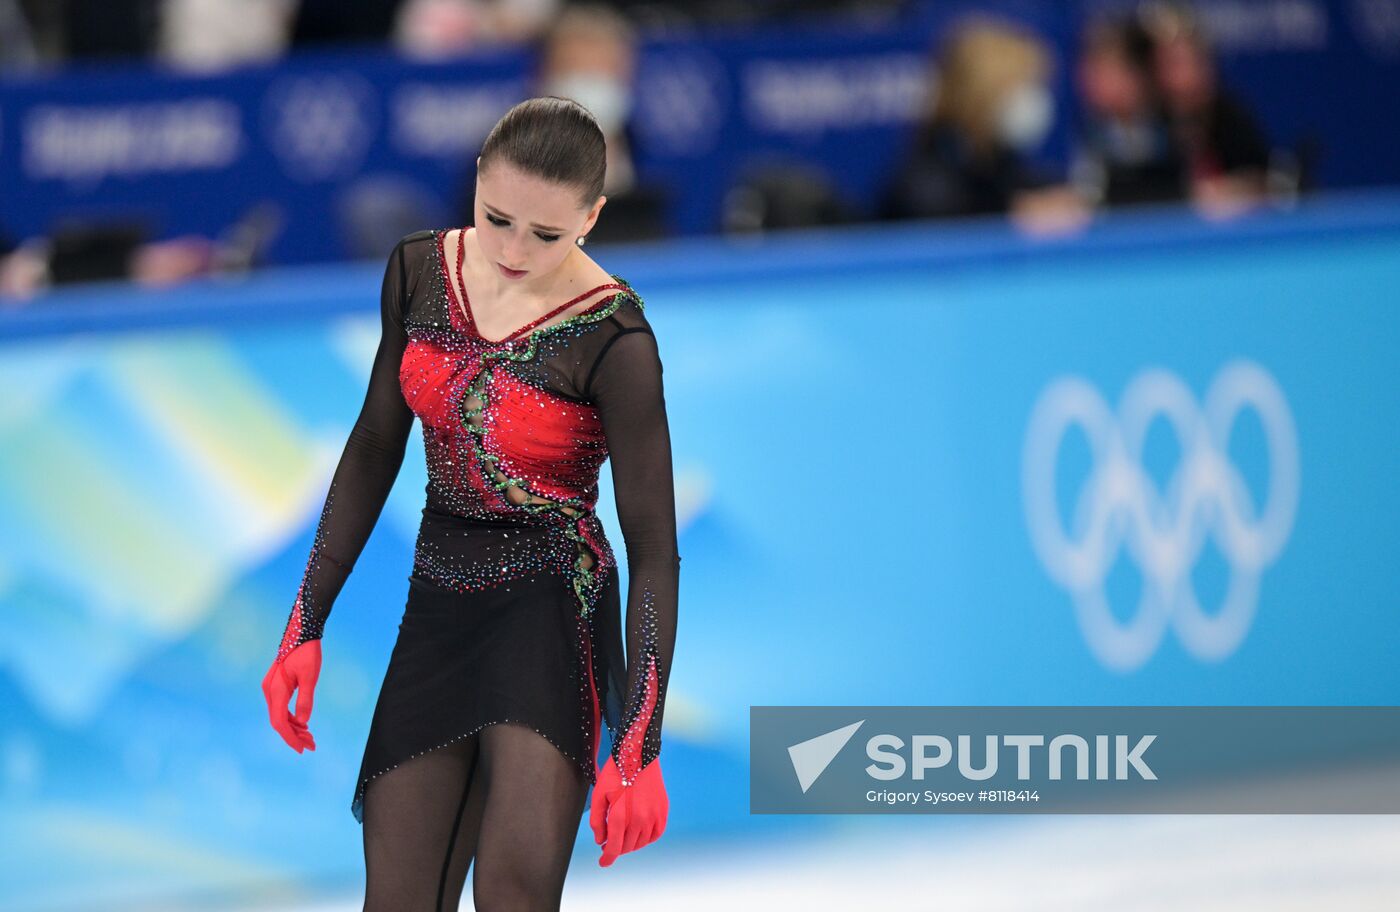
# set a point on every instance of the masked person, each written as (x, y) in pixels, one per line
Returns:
(991, 108)
(588, 54)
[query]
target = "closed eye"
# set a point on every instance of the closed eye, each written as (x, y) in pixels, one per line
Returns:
(502, 223)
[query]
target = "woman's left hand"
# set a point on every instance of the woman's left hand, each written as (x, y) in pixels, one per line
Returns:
(626, 817)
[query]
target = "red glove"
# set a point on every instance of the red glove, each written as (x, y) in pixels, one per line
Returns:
(297, 670)
(626, 817)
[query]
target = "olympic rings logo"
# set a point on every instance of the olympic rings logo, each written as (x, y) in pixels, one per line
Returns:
(1119, 506)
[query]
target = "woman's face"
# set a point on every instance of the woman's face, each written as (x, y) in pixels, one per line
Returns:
(1109, 85)
(527, 223)
(1184, 73)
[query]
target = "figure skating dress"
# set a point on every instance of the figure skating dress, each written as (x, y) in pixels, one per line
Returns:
(514, 611)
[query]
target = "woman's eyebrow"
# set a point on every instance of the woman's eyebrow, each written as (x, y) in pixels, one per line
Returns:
(504, 216)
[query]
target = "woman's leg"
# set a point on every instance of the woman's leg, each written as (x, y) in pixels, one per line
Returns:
(533, 809)
(468, 826)
(420, 824)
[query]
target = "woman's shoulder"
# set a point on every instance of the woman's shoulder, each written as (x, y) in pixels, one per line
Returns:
(610, 301)
(417, 244)
(416, 254)
(626, 306)
(414, 249)
(609, 316)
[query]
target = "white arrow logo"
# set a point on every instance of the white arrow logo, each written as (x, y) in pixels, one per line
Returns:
(810, 758)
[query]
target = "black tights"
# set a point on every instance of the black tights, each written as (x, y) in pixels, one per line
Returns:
(504, 797)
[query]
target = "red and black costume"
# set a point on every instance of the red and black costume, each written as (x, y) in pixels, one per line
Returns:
(514, 611)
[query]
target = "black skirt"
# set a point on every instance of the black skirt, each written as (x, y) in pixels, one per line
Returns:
(518, 651)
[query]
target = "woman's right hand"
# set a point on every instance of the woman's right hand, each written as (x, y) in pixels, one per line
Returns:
(296, 671)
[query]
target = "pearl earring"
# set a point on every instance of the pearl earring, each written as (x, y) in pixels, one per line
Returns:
(579, 240)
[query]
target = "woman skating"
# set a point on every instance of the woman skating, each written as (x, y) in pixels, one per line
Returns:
(528, 366)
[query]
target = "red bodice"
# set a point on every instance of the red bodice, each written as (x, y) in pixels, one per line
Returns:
(481, 419)
(552, 444)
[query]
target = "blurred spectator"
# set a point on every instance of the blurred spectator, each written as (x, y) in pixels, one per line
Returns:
(1125, 151)
(659, 16)
(213, 34)
(79, 250)
(17, 50)
(439, 28)
(992, 108)
(1226, 151)
(589, 54)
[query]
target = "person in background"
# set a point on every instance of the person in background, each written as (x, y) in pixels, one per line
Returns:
(18, 50)
(428, 29)
(1227, 153)
(991, 110)
(76, 250)
(589, 55)
(1125, 152)
(211, 35)
(21, 272)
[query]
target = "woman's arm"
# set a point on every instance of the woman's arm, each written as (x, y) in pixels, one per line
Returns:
(366, 472)
(626, 388)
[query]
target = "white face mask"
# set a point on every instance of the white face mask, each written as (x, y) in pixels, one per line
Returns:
(1026, 116)
(607, 99)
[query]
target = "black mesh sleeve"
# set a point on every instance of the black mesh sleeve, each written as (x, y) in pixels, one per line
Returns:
(365, 474)
(626, 387)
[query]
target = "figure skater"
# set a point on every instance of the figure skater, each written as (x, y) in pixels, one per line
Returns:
(529, 366)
